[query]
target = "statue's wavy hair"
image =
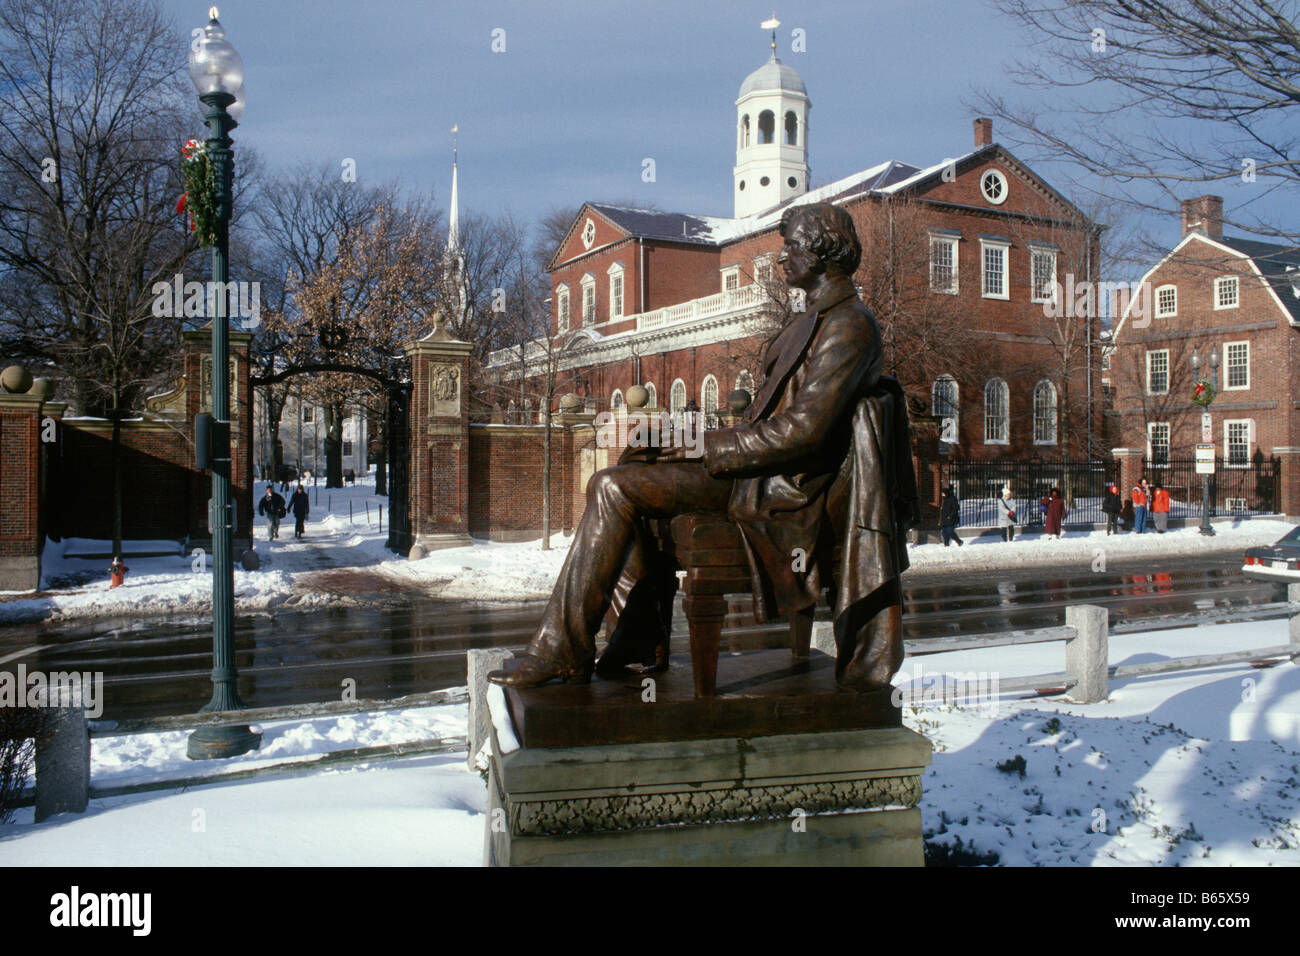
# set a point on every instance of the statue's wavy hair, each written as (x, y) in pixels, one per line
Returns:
(832, 236)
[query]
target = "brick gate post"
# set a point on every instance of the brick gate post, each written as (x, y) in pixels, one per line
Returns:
(439, 422)
(21, 427)
(1289, 498)
(1130, 468)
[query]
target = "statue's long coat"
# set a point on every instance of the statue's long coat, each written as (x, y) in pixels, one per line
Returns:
(835, 432)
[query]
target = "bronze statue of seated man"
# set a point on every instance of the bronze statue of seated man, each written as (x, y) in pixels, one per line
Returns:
(822, 459)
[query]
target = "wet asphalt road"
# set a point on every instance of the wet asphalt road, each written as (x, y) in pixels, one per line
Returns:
(160, 666)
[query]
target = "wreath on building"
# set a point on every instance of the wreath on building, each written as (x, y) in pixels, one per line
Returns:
(1203, 394)
(200, 185)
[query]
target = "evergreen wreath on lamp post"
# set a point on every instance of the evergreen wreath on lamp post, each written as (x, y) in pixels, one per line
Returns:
(200, 192)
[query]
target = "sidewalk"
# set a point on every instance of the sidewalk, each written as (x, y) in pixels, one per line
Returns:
(1035, 549)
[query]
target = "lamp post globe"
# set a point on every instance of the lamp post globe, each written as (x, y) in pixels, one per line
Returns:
(215, 65)
(218, 75)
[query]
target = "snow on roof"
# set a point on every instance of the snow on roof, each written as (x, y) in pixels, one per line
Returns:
(885, 178)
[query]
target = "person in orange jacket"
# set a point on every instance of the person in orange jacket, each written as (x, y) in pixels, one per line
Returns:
(1140, 501)
(1160, 507)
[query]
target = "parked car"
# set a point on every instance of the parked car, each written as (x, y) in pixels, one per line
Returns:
(1275, 562)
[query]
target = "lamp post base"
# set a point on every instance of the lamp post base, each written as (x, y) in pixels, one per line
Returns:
(214, 743)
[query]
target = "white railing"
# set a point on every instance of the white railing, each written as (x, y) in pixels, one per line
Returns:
(710, 306)
(719, 303)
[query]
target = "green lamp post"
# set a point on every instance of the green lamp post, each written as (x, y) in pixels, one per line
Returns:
(218, 75)
(1203, 395)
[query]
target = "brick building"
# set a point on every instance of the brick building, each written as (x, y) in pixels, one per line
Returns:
(1235, 298)
(683, 303)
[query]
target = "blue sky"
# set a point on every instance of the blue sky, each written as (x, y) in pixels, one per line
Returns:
(584, 91)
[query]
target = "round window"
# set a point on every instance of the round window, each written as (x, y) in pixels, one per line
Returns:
(764, 181)
(794, 183)
(742, 185)
(994, 187)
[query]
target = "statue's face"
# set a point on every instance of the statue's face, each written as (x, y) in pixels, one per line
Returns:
(801, 266)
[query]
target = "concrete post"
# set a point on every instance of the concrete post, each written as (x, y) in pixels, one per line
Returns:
(481, 662)
(1087, 653)
(1293, 597)
(63, 762)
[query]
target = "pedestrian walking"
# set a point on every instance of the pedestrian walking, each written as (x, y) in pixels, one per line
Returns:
(1113, 508)
(300, 505)
(272, 505)
(1160, 507)
(1006, 515)
(949, 516)
(1055, 509)
(1140, 501)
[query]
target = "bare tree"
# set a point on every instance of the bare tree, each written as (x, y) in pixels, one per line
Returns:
(1153, 97)
(90, 131)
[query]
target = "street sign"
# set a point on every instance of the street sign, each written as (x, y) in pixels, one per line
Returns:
(1207, 427)
(1205, 458)
(949, 431)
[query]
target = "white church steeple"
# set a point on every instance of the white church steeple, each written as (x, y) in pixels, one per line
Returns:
(771, 135)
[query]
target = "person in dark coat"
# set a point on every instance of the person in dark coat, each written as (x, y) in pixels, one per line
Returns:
(949, 516)
(1055, 513)
(300, 505)
(272, 505)
(1112, 506)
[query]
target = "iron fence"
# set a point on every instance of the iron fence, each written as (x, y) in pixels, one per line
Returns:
(1237, 487)
(979, 485)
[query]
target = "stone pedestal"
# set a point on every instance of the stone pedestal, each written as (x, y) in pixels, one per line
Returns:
(840, 798)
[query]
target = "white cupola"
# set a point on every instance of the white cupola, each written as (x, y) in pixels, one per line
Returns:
(771, 137)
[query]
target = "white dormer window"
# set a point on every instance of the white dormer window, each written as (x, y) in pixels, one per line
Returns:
(1225, 292)
(589, 299)
(562, 307)
(1166, 301)
(616, 290)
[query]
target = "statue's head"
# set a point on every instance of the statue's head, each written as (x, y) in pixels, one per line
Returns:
(820, 239)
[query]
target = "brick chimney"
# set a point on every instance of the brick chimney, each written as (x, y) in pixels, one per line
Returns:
(983, 132)
(1204, 214)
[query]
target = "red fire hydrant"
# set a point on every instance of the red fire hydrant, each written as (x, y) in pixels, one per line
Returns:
(116, 572)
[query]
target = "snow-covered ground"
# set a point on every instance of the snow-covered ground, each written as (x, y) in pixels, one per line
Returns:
(343, 561)
(1197, 768)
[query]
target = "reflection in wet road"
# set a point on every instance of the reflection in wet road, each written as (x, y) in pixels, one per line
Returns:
(155, 666)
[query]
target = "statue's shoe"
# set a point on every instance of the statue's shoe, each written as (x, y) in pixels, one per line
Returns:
(534, 672)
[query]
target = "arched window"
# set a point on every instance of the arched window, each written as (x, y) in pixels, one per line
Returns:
(944, 404)
(791, 129)
(1044, 413)
(745, 380)
(709, 401)
(616, 400)
(997, 402)
(744, 131)
(653, 400)
(677, 399)
(766, 127)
